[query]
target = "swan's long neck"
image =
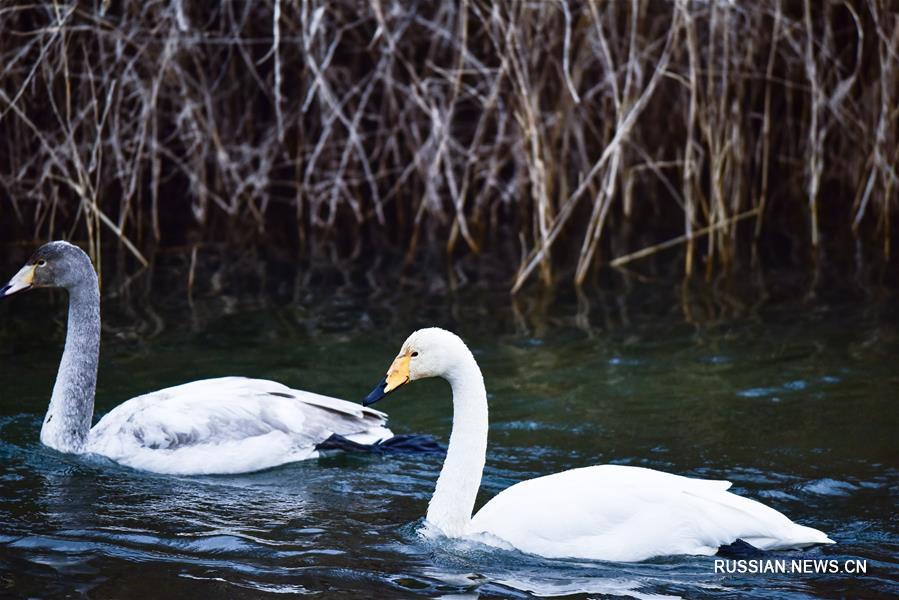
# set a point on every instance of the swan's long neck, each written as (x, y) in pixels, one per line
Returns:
(457, 487)
(71, 411)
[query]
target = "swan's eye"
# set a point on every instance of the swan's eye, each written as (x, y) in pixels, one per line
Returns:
(42, 263)
(414, 354)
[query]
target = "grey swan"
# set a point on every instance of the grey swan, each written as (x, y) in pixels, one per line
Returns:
(212, 426)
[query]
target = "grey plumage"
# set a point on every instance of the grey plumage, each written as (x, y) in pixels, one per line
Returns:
(69, 416)
(225, 425)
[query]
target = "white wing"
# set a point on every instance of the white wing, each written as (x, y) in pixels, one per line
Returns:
(620, 513)
(228, 425)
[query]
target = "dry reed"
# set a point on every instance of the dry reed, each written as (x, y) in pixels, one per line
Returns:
(579, 133)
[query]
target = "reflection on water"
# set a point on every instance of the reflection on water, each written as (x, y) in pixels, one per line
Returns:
(793, 401)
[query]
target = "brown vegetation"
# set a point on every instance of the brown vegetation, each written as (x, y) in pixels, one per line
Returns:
(568, 134)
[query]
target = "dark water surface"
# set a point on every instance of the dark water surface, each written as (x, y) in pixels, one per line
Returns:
(794, 401)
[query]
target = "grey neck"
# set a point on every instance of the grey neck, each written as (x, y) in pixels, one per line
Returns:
(68, 420)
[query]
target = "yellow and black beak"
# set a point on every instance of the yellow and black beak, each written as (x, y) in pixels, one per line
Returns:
(397, 375)
(23, 280)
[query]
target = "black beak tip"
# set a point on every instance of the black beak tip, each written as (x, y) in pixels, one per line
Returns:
(4, 289)
(376, 394)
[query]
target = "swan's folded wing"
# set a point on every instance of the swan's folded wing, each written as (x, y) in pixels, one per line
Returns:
(629, 513)
(335, 404)
(227, 425)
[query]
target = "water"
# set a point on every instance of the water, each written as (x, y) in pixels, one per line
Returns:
(794, 401)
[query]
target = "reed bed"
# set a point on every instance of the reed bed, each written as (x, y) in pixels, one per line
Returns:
(564, 135)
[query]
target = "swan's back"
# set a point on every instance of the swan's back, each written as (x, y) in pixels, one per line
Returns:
(620, 513)
(228, 425)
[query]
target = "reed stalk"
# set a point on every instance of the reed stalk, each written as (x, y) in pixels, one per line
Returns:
(570, 134)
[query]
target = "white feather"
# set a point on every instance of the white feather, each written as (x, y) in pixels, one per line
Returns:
(228, 425)
(621, 513)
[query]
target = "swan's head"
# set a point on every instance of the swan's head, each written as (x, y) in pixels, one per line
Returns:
(431, 352)
(57, 264)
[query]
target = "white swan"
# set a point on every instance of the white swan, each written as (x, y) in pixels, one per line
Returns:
(607, 512)
(214, 426)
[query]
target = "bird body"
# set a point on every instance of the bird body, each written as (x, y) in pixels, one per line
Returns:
(228, 425)
(623, 513)
(212, 426)
(606, 512)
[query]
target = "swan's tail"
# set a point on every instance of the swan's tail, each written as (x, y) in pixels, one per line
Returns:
(798, 536)
(397, 443)
(809, 536)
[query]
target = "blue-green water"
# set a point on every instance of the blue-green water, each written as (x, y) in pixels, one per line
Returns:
(790, 398)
